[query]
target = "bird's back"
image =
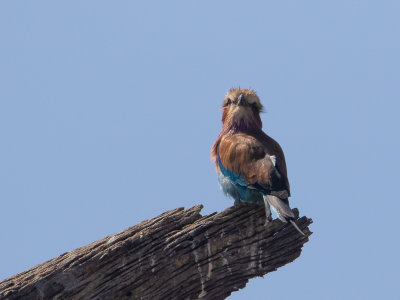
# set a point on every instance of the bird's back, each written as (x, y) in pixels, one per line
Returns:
(257, 158)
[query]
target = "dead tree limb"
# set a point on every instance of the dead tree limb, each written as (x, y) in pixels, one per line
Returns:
(177, 255)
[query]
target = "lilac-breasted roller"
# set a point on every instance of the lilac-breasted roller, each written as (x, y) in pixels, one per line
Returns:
(251, 166)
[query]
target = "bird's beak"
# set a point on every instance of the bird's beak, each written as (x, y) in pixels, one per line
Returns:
(241, 100)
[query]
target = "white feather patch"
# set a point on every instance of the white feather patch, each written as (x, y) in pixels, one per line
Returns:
(273, 159)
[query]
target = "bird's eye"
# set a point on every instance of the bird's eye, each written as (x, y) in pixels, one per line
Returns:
(228, 102)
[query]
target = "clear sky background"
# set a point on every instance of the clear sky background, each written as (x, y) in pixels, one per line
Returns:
(108, 111)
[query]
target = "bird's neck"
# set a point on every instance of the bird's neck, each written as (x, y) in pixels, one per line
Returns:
(234, 126)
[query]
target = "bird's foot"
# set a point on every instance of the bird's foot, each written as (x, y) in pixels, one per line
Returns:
(267, 220)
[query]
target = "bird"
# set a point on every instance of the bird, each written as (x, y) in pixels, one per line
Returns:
(250, 165)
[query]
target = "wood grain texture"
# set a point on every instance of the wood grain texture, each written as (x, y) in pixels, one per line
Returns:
(177, 255)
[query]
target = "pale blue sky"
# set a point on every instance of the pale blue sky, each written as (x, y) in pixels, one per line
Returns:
(108, 110)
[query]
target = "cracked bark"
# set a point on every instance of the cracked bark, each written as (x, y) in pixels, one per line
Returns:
(177, 255)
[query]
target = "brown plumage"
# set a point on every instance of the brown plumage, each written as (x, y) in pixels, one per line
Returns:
(249, 154)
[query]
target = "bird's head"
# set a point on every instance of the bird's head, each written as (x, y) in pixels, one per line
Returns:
(241, 110)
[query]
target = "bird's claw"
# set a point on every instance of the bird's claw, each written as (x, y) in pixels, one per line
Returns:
(267, 220)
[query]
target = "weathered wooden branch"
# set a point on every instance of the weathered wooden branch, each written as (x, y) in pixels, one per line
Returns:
(178, 255)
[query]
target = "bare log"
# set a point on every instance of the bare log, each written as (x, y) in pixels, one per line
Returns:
(177, 255)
